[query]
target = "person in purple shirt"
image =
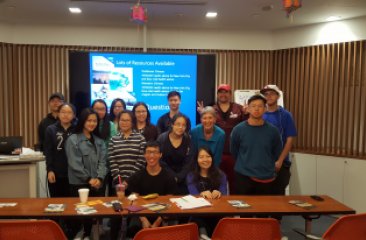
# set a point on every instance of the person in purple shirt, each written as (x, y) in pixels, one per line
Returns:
(209, 182)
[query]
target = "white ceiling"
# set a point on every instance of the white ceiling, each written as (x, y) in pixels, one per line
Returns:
(232, 14)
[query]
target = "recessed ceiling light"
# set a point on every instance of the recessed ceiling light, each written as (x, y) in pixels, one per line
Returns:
(211, 14)
(333, 18)
(74, 10)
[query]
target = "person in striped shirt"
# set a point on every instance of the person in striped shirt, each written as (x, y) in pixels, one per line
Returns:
(125, 155)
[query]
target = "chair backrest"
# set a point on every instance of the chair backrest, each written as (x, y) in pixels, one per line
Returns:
(347, 227)
(247, 229)
(178, 232)
(30, 230)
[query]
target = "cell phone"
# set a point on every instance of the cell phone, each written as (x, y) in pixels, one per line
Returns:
(117, 207)
(317, 198)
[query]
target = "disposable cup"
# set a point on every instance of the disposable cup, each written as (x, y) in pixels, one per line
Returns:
(83, 194)
(120, 191)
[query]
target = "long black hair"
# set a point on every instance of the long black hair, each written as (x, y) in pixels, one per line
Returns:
(214, 174)
(105, 132)
(82, 119)
(111, 114)
(148, 118)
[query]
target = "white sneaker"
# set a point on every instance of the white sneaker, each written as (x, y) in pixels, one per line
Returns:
(79, 235)
(86, 238)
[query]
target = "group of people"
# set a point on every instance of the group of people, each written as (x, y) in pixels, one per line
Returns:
(246, 146)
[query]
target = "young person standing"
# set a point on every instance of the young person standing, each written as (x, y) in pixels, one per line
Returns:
(54, 102)
(54, 150)
(283, 121)
(255, 145)
(165, 121)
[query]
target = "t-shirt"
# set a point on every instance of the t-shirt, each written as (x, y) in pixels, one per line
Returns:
(283, 121)
(255, 149)
(176, 159)
(228, 120)
(143, 183)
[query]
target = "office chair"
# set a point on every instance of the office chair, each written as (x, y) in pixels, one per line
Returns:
(30, 230)
(345, 228)
(247, 229)
(177, 232)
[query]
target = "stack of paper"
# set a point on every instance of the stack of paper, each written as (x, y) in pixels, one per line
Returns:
(55, 208)
(190, 202)
(85, 210)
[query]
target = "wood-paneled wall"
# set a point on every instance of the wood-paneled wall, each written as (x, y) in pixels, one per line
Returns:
(324, 88)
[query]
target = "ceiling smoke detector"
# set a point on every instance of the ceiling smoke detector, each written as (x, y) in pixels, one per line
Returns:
(267, 8)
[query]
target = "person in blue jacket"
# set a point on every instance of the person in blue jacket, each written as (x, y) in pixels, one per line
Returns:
(208, 134)
(86, 155)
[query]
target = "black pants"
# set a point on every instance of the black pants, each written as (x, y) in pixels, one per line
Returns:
(87, 223)
(246, 186)
(282, 180)
(60, 188)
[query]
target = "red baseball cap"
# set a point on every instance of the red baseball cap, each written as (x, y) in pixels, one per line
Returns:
(224, 87)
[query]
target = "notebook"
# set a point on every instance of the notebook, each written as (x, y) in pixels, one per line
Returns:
(9, 144)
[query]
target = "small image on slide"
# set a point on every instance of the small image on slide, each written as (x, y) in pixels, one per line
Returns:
(100, 77)
(121, 78)
(100, 91)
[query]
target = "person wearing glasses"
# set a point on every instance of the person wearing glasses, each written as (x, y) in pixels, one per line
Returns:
(164, 122)
(283, 121)
(117, 106)
(143, 124)
(125, 155)
(175, 146)
(151, 179)
(54, 150)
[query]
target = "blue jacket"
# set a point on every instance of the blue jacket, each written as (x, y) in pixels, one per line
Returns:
(215, 143)
(85, 160)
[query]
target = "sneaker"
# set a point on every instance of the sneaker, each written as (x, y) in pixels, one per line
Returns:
(86, 238)
(79, 235)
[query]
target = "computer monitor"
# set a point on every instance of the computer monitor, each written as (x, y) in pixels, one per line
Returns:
(11, 145)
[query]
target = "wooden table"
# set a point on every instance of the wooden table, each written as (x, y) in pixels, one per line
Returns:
(260, 206)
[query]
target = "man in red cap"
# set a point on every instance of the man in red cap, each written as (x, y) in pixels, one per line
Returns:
(229, 114)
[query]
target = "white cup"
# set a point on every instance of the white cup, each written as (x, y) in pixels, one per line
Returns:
(83, 194)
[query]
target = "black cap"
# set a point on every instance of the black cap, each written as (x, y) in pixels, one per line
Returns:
(256, 97)
(57, 95)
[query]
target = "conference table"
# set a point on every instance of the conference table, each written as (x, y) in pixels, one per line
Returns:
(260, 206)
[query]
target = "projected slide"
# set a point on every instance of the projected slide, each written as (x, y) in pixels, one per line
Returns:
(145, 77)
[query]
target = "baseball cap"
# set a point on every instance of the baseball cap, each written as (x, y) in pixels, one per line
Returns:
(224, 87)
(271, 87)
(57, 95)
(256, 97)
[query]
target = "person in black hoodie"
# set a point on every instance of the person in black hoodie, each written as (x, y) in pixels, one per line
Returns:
(56, 160)
(54, 102)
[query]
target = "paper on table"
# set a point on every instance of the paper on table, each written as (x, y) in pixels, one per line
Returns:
(190, 202)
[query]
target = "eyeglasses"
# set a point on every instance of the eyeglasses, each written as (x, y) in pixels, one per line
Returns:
(141, 112)
(100, 109)
(125, 120)
(180, 125)
(68, 113)
(152, 152)
(118, 107)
